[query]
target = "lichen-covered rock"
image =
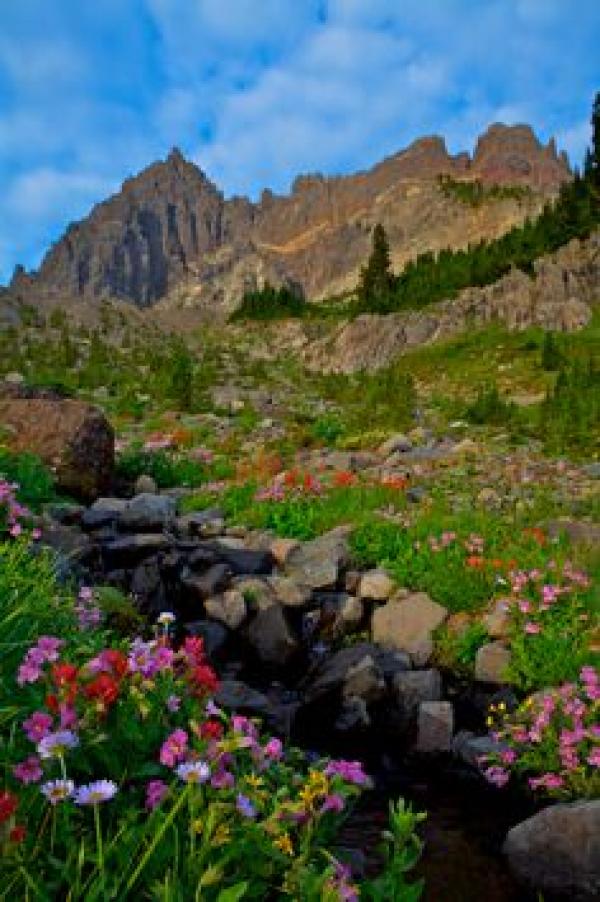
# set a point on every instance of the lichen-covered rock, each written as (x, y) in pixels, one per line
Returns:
(74, 439)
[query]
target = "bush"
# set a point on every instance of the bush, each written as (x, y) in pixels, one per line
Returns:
(270, 303)
(35, 483)
(490, 408)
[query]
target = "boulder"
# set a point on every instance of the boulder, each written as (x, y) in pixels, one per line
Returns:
(281, 549)
(470, 749)
(74, 439)
(288, 592)
(207, 523)
(491, 663)
(204, 585)
(145, 485)
(558, 850)
(318, 564)
(271, 637)
(407, 624)
(243, 561)
(395, 443)
(127, 551)
(213, 633)
(435, 725)
(497, 620)
(413, 687)
(103, 512)
(375, 585)
(342, 666)
(229, 608)
(364, 680)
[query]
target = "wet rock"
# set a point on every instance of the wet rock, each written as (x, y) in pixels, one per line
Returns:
(318, 564)
(407, 624)
(234, 695)
(333, 672)
(491, 663)
(147, 587)
(244, 561)
(207, 524)
(148, 513)
(69, 542)
(414, 687)
(202, 558)
(271, 637)
(103, 512)
(558, 850)
(204, 585)
(229, 608)
(353, 715)
(435, 725)
(375, 585)
(258, 593)
(127, 551)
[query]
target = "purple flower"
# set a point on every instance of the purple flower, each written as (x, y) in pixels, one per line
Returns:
(594, 757)
(497, 775)
(58, 790)
(28, 771)
(333, 802)
(156, 790)
(212, 710)
(173, 703)
(222, 779)
(95, 793)
(350, 771)
(193, 772)
(245, 806)
(54, 745)
(37, 726)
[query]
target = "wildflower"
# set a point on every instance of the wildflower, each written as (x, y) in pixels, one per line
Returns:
(54, 745)
(156, 790)
(29, 770)
(546, 781)
(174, 748)
(350, 771)
(193, 772)
(63, 674)
(212, 710)
(532, 628)
(497, 775)
(334, 802)
(274, 749)
(222, 835)
(49, 647)
(18, 833)
(166, 618)
(173, 703)
(284, 844)
(594, 757)
(58, 790)
(245, 806)
(95, 793)
(211, 729)
(8, 805)
(104, 688)
(37, 726)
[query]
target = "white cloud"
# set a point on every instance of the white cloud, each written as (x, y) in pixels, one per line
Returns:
(39, 193)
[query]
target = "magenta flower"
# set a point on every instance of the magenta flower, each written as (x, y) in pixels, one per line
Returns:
(29, 770)
(274, 749)
(222, 779)
(156, 790)
(333, 802)
(173, 703)
(594, 757)
(95, 793)
(174, 748)
(546, 781)
(532, 628)
(497, 775)
(350, 771)
(37, 726)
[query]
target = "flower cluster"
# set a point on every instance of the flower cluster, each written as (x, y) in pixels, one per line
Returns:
(87, 610)
(14, 516)
(553, 739)
(533, 596)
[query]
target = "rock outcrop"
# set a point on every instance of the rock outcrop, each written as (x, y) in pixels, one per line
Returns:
(169, 232)
(558, 297)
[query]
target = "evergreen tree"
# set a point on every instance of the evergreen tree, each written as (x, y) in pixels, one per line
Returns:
(592, 157)
(182, 377)
(376, 278)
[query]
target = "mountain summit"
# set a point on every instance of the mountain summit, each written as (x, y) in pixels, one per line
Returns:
(170, 232)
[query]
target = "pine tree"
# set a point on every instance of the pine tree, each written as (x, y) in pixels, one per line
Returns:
(376, 278)
(592, 157)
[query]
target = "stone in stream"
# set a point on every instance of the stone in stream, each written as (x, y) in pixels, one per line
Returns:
(435, 726)
(319, 563)
(127, 551)
(243, 561)
(200, 586)
(349, 665)
(229, 608)
(148, 513)
(413, 687)
(271, 637)
(558, 850)
(147, 587)
(407, 624)
(289, 592)
(103, 512)
(214, 635)
(207, 524)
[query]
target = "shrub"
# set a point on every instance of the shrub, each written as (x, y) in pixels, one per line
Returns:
(35, 483)
(270, 303)
(490, 408)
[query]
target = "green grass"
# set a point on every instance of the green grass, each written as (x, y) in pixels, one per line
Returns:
(35, 481)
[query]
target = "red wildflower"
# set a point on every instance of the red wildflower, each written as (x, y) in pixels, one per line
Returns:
(205, 678)
(475, 562)
(52, 703)
(18, 833)
(193, 650)
(116, 660)
(64, 674)
(8, 805)
(395, 482)
(291, 477)
(344, 478)
(104, 688)
(537, 534)
(211, 729)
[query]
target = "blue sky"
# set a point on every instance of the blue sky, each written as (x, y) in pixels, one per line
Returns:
(257, 91)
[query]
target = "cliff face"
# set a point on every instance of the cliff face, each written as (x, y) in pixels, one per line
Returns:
(169, 233)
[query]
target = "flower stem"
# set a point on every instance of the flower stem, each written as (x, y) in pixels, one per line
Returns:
(99, 848)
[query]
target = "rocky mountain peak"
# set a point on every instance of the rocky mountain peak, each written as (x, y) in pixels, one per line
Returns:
(512, 154)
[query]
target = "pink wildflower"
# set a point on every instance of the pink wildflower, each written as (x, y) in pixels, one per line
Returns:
(28, 771)
(174, 748)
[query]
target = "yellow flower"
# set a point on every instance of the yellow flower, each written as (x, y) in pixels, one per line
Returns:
(222, 835)
(284, 843)
(318, 782)
(489, 721)
(197, 826)
(254, 781)
(502, 706)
